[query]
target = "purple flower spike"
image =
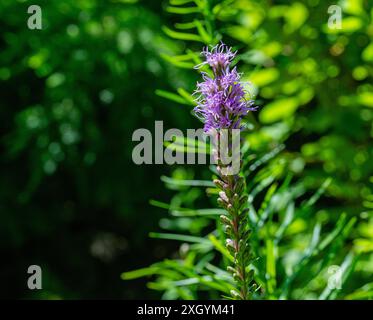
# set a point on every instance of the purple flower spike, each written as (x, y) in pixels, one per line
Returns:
(219, 58)
(221, 102)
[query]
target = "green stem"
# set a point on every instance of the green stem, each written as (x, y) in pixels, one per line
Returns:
(232, 197)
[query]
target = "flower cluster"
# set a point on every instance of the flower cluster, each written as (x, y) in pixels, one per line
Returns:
(222, 105)
(221, 102)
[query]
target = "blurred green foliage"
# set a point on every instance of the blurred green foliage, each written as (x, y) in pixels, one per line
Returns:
(72, 201)
(71, 96)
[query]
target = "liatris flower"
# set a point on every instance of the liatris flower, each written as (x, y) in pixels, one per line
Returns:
(221, 102)
(222, 105)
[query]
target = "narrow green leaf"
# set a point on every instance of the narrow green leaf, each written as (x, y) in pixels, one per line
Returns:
(288, 219)
(181, 35)
(268, 156)
(202, 32)
(318, 193)
(192, 183)
(182, 10)
(178, 237)
(139, 273)
(220, 247)
(171, 96)
(185, 25)
(336, 231)
(199, 212)
(271, 265)
(177, 62)
(186, 95)
(180, 2)
(159, 204)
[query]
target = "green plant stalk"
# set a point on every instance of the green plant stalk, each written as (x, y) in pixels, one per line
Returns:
(233, 199)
